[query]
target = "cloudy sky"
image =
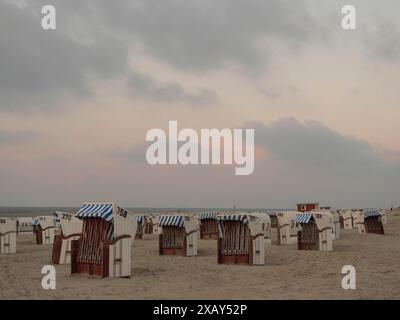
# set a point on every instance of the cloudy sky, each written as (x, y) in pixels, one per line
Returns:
(76, 102)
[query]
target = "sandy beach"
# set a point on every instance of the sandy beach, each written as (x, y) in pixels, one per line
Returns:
(288, 273)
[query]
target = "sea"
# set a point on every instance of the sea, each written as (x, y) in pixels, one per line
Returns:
(48, 211)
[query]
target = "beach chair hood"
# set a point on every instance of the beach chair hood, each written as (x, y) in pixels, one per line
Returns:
(255, 221)
(366, 213)
(7, 225)
(323, 219)
(208, 215)
(43, 221)
(24, 220)
(285, 217)
(347, 214)
(122, 221)
(179, 220)
(69, 223)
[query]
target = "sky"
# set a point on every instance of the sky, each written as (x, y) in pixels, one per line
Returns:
(76, 102)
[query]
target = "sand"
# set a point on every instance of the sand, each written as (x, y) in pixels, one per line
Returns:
(288, 273)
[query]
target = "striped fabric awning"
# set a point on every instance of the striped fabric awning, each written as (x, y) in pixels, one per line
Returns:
(234, 217)
(302, 218)
(43, 221)
(171, 221)
(56, 216)
(372, 213)
(208, 215)
(96, 210)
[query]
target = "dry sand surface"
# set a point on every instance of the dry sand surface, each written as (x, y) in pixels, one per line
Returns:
(288, 273)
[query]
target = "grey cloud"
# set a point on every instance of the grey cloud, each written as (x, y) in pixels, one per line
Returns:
(378, 28)
(141, 85)
(206, 34)
(305, 161)
(383, 42)
(136, 153)
(41, 69)
(376, 35)
(17, 137)
(315, 146)
(311, 147)
(45, 69)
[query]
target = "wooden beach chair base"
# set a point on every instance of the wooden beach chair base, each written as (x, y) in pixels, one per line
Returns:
(175, 241)
(308, 239)
(374, 225)
(209, 229)
(62, 248)
(44, 236)
(114, 259)
(237, 246)
(172, 243)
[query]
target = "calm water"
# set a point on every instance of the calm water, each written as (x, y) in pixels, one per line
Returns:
(48, 211)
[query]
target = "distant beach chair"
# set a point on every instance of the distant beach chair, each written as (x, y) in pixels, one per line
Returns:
(316, 231)
(178, 235)
(358, 221)
(8, 236)
(24, 224)
(144, 225)
(287, 229)
(335, 222)
(149, 225)
(266, 225)
(370, 221)
(208, 225)
(43, 227)
(347, 217)
(241, 238)
(70, 230)
(104, 249)
(141, 221)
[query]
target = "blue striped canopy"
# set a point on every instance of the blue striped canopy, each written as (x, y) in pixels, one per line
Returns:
(302, 218)
(171, 221)
(35, 221)
(371, 213)
(208, 215)
(234, 217)
(96, 210)
(56, 216)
